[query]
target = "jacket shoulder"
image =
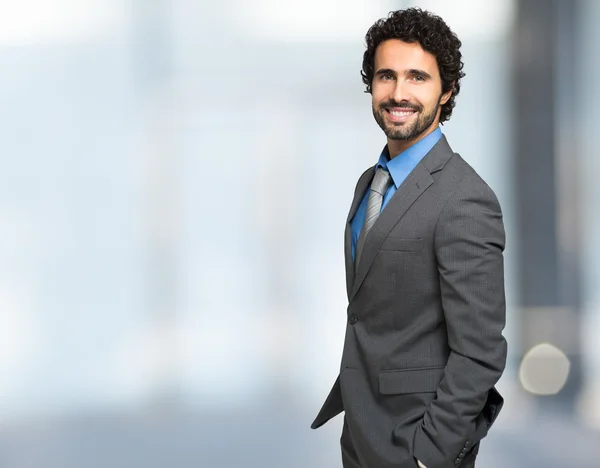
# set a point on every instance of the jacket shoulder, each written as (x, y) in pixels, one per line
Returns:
(466, 180)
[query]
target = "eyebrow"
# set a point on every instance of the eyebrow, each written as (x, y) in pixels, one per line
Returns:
(423, 73)
(385, 71)
(410, 72)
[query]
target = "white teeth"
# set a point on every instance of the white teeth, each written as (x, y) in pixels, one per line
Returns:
(401, 114)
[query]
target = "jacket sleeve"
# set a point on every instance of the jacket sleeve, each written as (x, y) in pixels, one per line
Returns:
(469, 241)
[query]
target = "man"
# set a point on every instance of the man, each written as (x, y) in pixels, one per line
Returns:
(424, 269)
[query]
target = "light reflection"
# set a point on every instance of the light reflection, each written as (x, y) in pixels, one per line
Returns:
(544, 370)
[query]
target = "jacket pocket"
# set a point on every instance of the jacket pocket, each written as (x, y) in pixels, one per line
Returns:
(401, 381)
(402, 243)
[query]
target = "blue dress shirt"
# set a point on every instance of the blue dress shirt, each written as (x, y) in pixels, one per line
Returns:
(399, 168)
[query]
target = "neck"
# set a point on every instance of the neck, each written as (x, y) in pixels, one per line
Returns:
(395, 147)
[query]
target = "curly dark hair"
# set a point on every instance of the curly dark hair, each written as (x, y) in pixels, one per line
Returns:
(432, 34)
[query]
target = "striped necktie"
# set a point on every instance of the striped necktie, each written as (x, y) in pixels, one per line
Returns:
(381, 182)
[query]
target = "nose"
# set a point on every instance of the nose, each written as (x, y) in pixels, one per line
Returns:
(401, 92)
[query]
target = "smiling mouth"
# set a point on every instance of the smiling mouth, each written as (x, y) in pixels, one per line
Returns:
(400, 115)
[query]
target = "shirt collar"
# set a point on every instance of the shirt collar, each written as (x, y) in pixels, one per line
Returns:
(409, 158)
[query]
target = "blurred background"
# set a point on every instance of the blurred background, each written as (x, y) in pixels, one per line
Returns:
(163, 301)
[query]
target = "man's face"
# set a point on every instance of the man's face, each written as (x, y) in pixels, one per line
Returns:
(406, 90)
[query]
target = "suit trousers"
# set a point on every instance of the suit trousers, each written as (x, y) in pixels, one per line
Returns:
(350, 459)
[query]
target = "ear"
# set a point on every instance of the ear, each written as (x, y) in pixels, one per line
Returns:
(446, 96)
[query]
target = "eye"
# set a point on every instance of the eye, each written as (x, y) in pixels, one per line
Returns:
(387, 76)
(418, 78)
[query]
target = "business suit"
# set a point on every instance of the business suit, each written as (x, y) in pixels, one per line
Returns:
(423, 346)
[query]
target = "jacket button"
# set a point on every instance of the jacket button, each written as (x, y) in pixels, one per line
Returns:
(353, 319)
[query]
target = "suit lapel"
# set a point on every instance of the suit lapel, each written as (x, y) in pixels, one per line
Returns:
(361, 187)
(409, 191)
(414, 185)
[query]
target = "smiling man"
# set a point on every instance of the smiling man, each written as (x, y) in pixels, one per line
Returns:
(424, 246)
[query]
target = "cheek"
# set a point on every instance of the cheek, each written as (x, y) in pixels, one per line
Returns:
(428, 98)
(379, 93)
(380, 97)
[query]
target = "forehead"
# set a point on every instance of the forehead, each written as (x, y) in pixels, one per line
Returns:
(399, 56)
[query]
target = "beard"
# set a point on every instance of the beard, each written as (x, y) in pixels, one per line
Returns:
(405, 130)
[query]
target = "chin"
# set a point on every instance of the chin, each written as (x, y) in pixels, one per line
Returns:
(393, 135)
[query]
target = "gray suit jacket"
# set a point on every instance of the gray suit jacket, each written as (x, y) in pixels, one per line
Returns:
(424, 346)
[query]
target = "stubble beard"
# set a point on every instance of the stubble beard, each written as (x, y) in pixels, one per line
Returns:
(405, 130)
